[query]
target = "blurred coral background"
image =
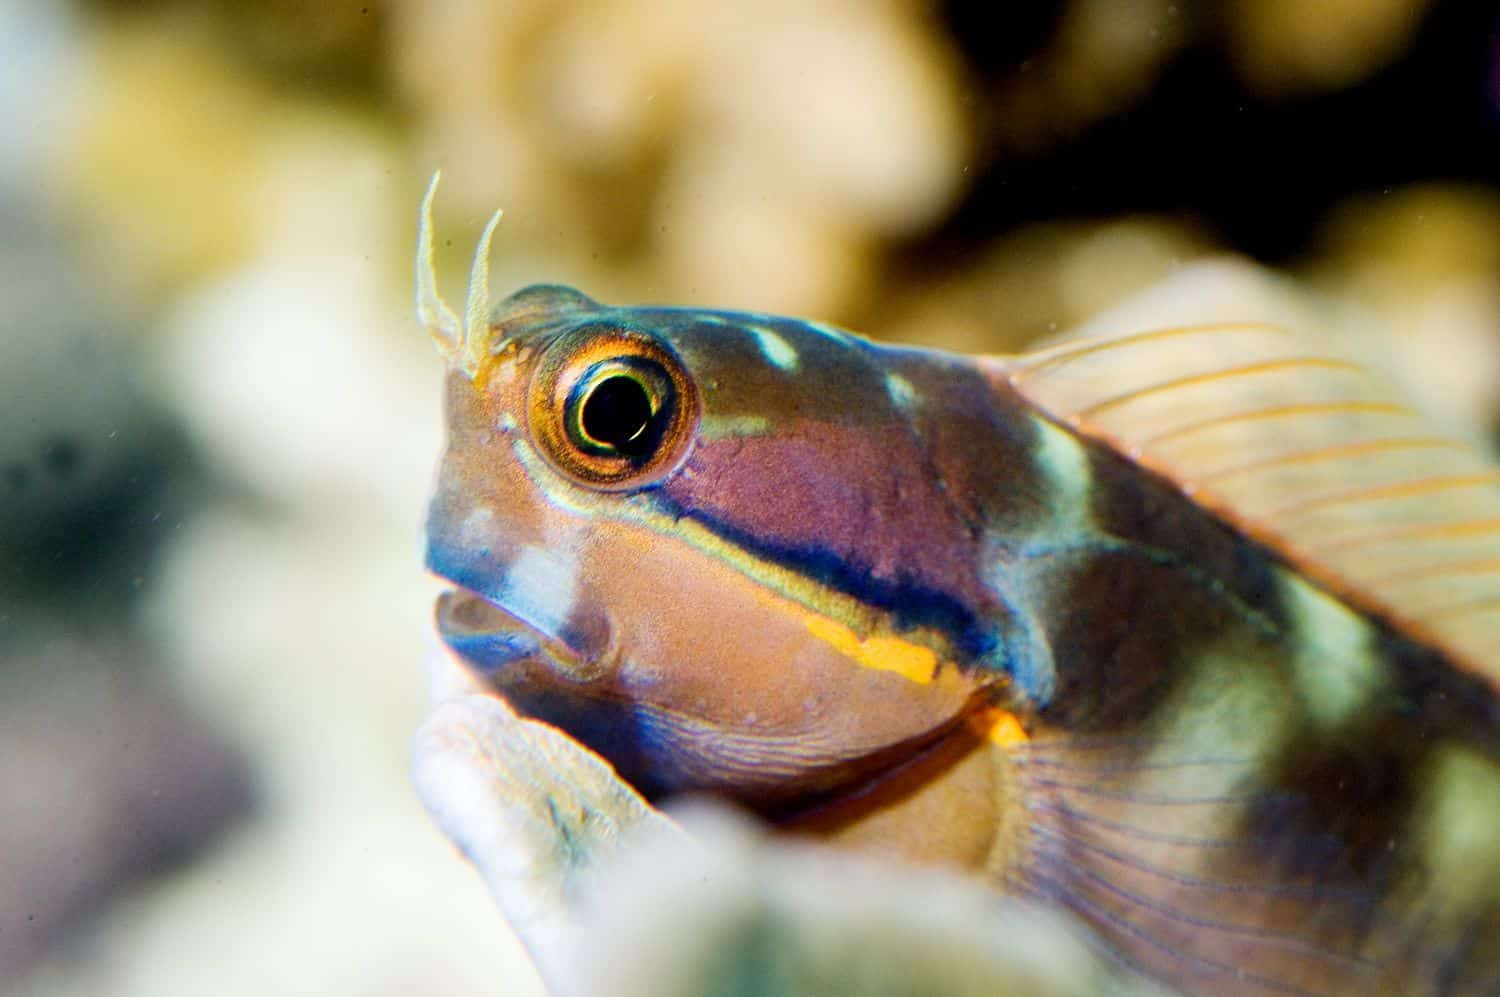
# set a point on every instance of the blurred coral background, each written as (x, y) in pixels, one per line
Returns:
(218, 417)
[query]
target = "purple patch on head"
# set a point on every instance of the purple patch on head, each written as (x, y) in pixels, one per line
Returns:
(863, 495)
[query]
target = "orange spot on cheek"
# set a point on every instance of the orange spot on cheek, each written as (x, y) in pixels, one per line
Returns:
(998, 727)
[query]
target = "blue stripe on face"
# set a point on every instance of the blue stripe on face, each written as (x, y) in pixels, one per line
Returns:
(911, 606)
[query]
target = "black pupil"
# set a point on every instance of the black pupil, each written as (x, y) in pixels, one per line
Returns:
(618, 414)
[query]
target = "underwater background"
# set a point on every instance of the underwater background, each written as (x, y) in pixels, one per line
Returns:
(219, 417)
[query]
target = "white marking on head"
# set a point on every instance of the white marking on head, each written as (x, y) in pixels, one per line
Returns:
(1337, 666)
(719, 427)
(436, 317)
(541, 587)
(477, 530)
(773, 347)
(901, 391)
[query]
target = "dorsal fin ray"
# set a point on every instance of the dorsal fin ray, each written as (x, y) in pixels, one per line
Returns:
(1307, 449)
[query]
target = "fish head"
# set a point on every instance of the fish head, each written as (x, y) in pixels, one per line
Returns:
(641, 511)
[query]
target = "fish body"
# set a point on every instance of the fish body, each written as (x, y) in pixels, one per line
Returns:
(944, 609)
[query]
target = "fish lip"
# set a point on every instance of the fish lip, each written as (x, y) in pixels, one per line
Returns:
(486, 635)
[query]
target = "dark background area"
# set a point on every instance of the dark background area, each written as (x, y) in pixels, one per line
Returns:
(1261, 171)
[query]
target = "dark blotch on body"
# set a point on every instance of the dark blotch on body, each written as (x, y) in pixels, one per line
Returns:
(1126, 630)
(1135, 503)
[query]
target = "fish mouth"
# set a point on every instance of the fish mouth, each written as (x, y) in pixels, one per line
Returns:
(485, 635)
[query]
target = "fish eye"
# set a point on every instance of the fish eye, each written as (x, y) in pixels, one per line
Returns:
(612, 408)
(615, 413)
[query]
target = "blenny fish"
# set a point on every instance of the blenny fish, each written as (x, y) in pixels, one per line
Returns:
(1191, 632)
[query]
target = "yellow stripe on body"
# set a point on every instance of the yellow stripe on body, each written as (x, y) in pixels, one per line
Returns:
(912, 662)
(918, 664)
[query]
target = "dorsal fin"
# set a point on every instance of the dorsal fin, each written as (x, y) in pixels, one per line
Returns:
(1307, 449)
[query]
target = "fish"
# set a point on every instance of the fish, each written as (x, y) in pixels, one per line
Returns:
(1190, 632)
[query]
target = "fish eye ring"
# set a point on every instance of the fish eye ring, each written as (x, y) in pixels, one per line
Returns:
(612, 408)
